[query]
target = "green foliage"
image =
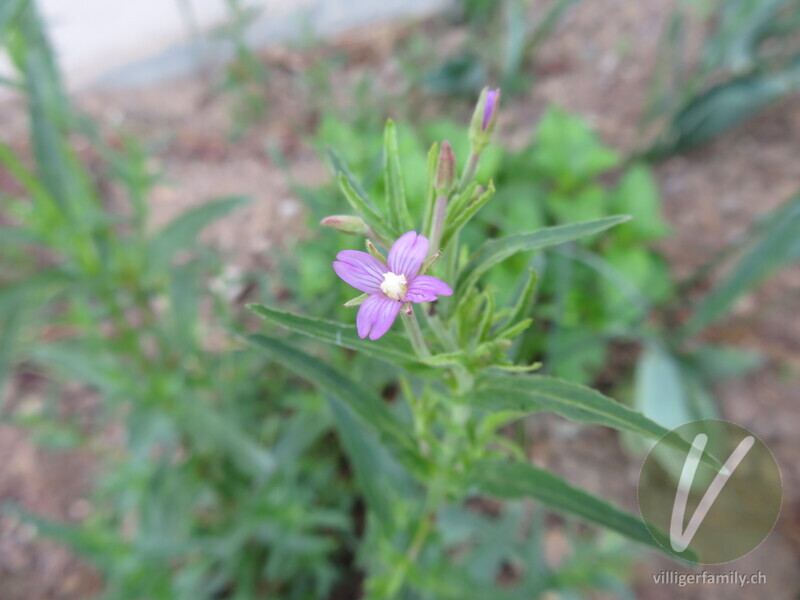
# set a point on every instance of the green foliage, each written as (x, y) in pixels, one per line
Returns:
(556, 181)
(245, 78)
(567, 152)
(496, 251)
(440, 436)
(223, 481)
(298, 466)
(771, 246)
(749, 58)
(504, 37)
(520, 480)
(599, 292)
(588, 294)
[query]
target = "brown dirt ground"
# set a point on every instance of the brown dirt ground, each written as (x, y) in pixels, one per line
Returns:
(596, 64)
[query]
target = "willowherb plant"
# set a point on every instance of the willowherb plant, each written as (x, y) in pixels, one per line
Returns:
(440, 444)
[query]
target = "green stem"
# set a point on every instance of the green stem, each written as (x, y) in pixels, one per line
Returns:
(423, 530)
(415, 334)
(451, 254)
(444, 336)
(469, 171)
(464, 379)
(437, 228)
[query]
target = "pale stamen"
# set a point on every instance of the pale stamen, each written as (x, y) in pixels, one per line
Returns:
(394, 286)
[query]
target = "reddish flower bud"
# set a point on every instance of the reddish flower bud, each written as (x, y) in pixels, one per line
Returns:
(446, 170)
(346, 224)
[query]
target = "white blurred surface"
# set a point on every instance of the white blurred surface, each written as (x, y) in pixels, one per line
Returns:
(129, 43)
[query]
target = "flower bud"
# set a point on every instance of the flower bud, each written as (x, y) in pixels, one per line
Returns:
(446, 170)
(346, 224)
(484, 119)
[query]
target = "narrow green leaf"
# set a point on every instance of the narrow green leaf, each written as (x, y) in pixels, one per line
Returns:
(496, 251)
(370, 409)
(514, 330)
(516, 480)
(391, 348)
(360, 204)
(340, 168)
(374, 251)
(550, 19)
(181, 232)
(521, 307)
(185, 292)
(11, 322)
(430, 190)
(86, 363)
(714, 363)
(399, 218)
(774, 249)
(378, 475)
(512, 368)
(516, 47)
(446, 359)
(101, 546)
(460, 202)
(722, 107)
(667, 71)
(743, 28)
(536, 393)
(209, 426)
(465, 215)
(58, 168)
(487, 316)
(668, 395)
(357, 301)
(38, 193)
(660, 391)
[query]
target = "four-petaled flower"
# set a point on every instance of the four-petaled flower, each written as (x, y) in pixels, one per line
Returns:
(389, 285)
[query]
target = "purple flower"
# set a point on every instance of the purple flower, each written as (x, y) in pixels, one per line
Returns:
(389, 285)
(488, 108)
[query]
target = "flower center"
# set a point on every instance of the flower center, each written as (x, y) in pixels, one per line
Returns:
(394, 286)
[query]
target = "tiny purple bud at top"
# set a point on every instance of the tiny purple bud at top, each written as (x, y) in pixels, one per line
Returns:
(484, 119)
(488, 109)
(389, 285)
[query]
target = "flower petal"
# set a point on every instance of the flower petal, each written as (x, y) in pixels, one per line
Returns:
(361, 270)
(376, 315)
(425, 288)
(407, 254)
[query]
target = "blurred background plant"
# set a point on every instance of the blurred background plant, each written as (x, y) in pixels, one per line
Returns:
(506, 37)
(221, 481)
(223, 476)
(749, 58)
(245, 76)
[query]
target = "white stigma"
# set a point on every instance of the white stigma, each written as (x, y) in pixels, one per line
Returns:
(394, 286)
